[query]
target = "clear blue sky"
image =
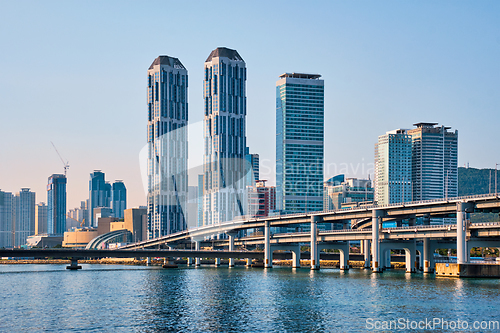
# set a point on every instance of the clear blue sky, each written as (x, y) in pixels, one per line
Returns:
(74, 72)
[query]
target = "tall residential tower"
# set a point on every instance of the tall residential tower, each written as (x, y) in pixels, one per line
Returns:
(224, 163)
(167, 98)
(56, 205)
(299, 142)
(99, 195)
(434, 162)
(24, 216)
(393, 156)
(118, 198)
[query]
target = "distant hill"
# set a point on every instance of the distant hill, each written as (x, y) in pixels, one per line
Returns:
(473, 181)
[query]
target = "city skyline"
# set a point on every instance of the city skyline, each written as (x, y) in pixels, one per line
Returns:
(437, 72)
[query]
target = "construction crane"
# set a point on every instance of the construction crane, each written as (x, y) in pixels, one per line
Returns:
(82, 223)
(66, 164)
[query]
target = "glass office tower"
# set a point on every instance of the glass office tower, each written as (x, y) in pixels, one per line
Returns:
(299, 142)
(99, 195)
(118, 199)
(167, 97)
(56, 205)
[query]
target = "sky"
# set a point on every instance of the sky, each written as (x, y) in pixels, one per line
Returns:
(74, 73)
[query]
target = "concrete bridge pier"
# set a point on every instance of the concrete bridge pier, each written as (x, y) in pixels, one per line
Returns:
(343, 248)
(217, 262)
(426, 254)
(248, 262)
(410, 256)
(463, 209)
(197, 262)
(376, 222)
(74, 265)
(296, 258)
(189, 261)
(268, 259)
(314, 242)
(148, 261)
(366, 252)
(231, 237)
(385, 255)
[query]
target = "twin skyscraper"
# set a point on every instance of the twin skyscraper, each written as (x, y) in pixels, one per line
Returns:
(225, 169)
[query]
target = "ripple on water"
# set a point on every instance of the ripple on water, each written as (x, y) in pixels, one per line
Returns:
(144, 299)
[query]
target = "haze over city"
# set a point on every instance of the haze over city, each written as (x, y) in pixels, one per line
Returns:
(76, 75)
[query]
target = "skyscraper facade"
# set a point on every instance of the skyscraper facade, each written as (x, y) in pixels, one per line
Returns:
(299, 142)
(167, 97)
(41, 218)
(56, 205)
(99, 194)
(393, 165)
(24, 216)
(6, 222)
(253, 161)
(118, 198)
(434, 162)
(224, 163)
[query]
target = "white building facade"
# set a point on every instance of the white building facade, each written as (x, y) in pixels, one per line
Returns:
(393, 162)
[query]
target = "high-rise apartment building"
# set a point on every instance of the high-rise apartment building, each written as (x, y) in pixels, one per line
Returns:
(434, 162)
(118, 198)
(6, 222)
(41, 218)
(24, 216)
(56, 205)
(299, 142)
(99, 195)
(224, 163)
(167, 98)
(393, 165)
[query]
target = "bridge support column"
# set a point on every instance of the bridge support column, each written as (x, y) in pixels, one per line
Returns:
(231, 248)
(169, 263)
(376, 221)
(296, 258)
(426, 252)
(410, 257)
(197, 261)
(189, 261)
(314, 242)
(248, 262)
(268, 254)
(344, 257)
(217, 262)
(366, 252)
(463, 209)
(148, 261)
(74, 265)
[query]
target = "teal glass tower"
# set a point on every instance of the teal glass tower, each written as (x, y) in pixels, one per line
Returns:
(299, 142)
(56, 205)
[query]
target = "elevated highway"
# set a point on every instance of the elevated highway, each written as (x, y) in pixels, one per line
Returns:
(461, 236)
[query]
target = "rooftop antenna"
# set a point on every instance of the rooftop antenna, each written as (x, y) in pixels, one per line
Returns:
(66, 164)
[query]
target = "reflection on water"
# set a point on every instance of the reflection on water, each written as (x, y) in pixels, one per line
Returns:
(207, 299)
